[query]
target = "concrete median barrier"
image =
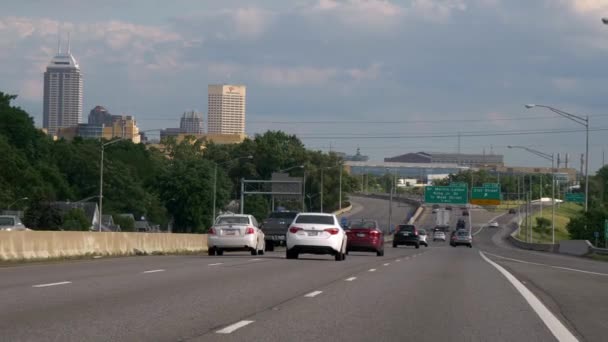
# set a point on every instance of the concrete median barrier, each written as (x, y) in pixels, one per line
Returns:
(32, 245)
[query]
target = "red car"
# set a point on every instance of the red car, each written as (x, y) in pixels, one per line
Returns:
(365, 236)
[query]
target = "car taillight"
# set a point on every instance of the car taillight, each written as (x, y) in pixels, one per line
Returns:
(415, 232)
(332, 231)
(211, 231)
(249, 230)
(294, 230)
(374, 232)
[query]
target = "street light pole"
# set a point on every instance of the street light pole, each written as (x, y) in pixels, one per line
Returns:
(215, 180)
(581, 121)
(20, 199)
(550, 157)
(321, 192)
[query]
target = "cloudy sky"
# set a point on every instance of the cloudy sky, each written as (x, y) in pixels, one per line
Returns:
(389, 76)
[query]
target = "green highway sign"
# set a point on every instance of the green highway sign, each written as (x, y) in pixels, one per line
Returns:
(485, 195)
(577, 197)
(446, 194)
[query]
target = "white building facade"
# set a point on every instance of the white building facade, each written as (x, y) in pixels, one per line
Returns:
(226, 114)
(62, 104)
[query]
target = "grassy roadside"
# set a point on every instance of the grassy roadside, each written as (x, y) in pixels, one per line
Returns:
(563, 214)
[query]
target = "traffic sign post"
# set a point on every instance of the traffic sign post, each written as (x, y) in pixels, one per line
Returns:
(596, 235)
(606, 233)
(446, 194)
(576, 197)
(486, 195)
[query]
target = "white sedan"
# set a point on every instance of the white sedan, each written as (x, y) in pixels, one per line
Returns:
(316, 233)
(493, 224)
(235, 233)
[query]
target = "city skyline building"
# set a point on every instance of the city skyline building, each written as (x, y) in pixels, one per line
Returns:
(62, 99)
(226, 112)
(192, 122)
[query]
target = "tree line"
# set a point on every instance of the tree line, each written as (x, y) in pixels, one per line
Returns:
(172, 184)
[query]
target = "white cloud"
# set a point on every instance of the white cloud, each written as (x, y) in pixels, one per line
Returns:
(564, 83)
(252, 22)
(437, 10)
(367, 74)
(586, 6)
(380, 14)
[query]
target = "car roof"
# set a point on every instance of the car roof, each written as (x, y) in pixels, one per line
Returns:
(235, 215)
(316, 214)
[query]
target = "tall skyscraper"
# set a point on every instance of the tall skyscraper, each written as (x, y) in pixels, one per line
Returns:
(226, 113)
(192, 122)
(62, 93)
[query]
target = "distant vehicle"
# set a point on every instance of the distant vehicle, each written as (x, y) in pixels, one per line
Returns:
(442, 228)
(235, 233)
(423, 237)
(435, 206)
(462, 237)
(449, 207)
(365, 236)
(512, 211)
(465, 213)
(316, 233)
(10, 223)
(275, 228)
(461, 224)
(438, 235)
(493, 224)
(434, 211)
(407, 235)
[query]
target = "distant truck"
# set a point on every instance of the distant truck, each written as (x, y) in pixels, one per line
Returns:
(275, 228)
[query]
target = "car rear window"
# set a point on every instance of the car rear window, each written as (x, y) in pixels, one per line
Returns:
(284, 215)
(422, 232)
(7, 221)
(407, 227)
(363, 225)
(233, 220)
(318, 219)
(463, 233)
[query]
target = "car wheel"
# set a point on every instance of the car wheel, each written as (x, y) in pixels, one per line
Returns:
(417, 245)
(470, 246)
(254, 252)
(219, 252)
(211, 251)
(291, 255)
(426, 245)
(394, 245)
(261, 252)
(269, 246)
(339, 256)
(380, 253)
(346, 253)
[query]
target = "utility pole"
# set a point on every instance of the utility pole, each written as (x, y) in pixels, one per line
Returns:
(390, 206)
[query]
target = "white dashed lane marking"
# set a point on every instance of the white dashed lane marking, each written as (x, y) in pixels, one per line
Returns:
(216, 264)
(229, 329)
(350, 279)
(388, 263)
(313, 294)
(53, 284)
(372, 270)
(154, 271)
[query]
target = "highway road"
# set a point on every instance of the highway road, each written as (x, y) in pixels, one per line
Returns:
(426, 294)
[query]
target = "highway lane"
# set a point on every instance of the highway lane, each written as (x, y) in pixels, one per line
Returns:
(573, 287)
(423, 294)
(377, 209)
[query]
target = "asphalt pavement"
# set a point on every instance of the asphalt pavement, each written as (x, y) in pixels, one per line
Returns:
(426, 294)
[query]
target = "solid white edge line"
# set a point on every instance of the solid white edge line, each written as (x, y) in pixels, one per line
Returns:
(313, 294)
(53, 284)
(255, 259)
(556, 327)
(154, 271)
(350, 279)
(229, 329)
(546, 265)
(372, 270)
(217, 263)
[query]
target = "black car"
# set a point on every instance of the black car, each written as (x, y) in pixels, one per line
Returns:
(407, 235)
(512, 211)
(435, 206)
(449, 207)
(465, 213)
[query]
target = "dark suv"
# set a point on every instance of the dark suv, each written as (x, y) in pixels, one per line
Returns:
(407, 235)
